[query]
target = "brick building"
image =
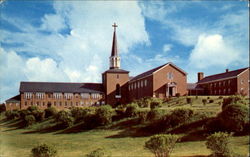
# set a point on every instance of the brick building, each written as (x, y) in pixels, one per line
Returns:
(116, 87)
(227, 83)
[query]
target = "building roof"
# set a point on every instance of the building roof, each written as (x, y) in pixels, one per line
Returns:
(116, 71)
(61, 87)
(224, 75)
(193, 86)
(149, 72)
(16, 98)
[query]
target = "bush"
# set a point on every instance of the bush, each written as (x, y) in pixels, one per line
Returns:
(2, 108)
(29, 120)
(104, 115)
(208, 97)
(144, 102)
(155, 103)
(219, 144)
(231, 100)
(50, 112)
(234, 117)
(100, 152)
(189, 101)
(64, 118)
(12, 114)
(181, 115)
(220, 97)
(131, 110)
(44, 150)
(211, 101)
(161, 145)
(177, 95)
(79, 114)
(204, 101)
(36, 112)
(214, 125)
(142, 116)
(153, 114)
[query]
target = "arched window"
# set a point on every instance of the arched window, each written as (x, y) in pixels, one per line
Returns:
(118, 90)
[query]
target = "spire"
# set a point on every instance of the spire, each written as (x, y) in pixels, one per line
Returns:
(114, 59)
(114, 51)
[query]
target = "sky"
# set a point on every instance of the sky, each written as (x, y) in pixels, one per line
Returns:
(70, 41)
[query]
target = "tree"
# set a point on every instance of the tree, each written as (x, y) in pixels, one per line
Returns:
(64, 118)
(161, 145)
(131, 110)
(219, 144)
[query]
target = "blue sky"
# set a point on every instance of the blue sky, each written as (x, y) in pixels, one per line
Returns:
(70, 41)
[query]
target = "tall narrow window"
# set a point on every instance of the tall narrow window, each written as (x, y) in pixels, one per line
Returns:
(118, 90)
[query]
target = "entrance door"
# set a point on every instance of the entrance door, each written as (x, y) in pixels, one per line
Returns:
(170, 91)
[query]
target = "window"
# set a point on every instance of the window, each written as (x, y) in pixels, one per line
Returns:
(43, 103)
(141, 83)
(68, 95)
(131, 85)
(76, 103)
(37, 103)
(85, 95)
(57, 95)
(81, 103)
(60, 103)
(103, 102)
(31, 103)
(135, 85)
(215, 92)
(138, 84)
(229, 82)
(39, 95)
(145, 82)
(170, 75)
(224, 91)
(27, 95)
(118, 90)
(25, 103)
(229, 90)
(66, 103)
(71, 103)
(117, 76)
(54, 103)
(219, 84)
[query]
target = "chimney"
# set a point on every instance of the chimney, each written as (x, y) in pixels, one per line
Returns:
(227, 70)
(200, 76)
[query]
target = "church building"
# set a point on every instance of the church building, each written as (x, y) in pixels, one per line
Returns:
(117, 87)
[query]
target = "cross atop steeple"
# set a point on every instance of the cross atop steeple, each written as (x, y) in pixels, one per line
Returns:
(114, 25)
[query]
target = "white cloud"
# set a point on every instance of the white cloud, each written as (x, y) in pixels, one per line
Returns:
(43, 70)
(212, 50)
(167, 47)
(80, 56)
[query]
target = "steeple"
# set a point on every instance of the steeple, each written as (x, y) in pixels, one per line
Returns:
(114, 58)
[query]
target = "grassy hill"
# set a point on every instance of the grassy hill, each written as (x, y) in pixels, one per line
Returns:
(121, 138)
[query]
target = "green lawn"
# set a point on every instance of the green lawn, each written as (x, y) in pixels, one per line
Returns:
(19, 142)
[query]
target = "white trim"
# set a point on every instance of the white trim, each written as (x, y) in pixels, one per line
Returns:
(242, 72)
(173, 66)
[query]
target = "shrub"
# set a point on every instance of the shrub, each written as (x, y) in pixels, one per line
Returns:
(100, 152)
(2, 108)
(36, 112)
(144, 102)
(12, 114)
(220, 97)
(211, 101)
(104, 115)
(235, 117)
(230, 100)
(50, 112)
(153, 114)
(204, 101)
(80, 113)
(29, 120)
(142, 116)
(64, 118)
(131, 110)
(208, 97)
(161, 145)
(189, 101)
(181, 115)
(177, 95)
(155, 103)
(44, 150)
(219, 144)
(24, 113)
(214, 125)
